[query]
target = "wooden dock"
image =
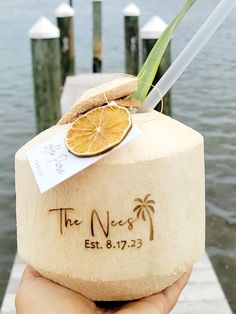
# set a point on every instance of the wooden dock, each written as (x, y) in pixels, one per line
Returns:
(203, 293)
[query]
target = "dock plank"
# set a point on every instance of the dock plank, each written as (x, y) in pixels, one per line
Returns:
(202, 307)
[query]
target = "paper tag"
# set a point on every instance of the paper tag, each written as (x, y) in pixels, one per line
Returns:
(52, 163)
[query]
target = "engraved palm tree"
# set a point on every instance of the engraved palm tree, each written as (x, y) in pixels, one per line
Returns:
(145, 210)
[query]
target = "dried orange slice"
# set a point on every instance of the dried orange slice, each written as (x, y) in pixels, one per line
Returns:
(98, 130)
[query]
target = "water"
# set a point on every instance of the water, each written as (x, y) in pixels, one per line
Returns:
(204, 98)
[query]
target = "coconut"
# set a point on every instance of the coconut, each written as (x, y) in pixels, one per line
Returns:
(126, 227)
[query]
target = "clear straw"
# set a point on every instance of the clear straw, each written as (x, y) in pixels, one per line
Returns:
(189, 53)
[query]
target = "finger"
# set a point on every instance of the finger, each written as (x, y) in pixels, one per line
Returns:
(173, 292)
(29, 273)
(160, 303)
(143, 306)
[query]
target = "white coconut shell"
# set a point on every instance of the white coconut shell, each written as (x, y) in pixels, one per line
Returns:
(165, 161)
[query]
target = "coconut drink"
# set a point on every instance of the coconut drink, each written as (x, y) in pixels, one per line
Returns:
(131, 223)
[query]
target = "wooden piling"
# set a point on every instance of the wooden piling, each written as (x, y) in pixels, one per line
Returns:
(65, 22)
(46, 72)
(131, 29)
(97, 36)
(150, 33)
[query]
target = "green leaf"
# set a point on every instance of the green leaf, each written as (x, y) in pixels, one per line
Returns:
(152, 63)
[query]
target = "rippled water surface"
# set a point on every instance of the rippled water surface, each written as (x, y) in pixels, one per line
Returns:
(204, 98)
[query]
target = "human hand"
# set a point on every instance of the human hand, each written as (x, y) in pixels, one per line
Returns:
(38, 295)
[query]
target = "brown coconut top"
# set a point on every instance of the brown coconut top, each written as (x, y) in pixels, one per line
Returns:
(100, 95)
